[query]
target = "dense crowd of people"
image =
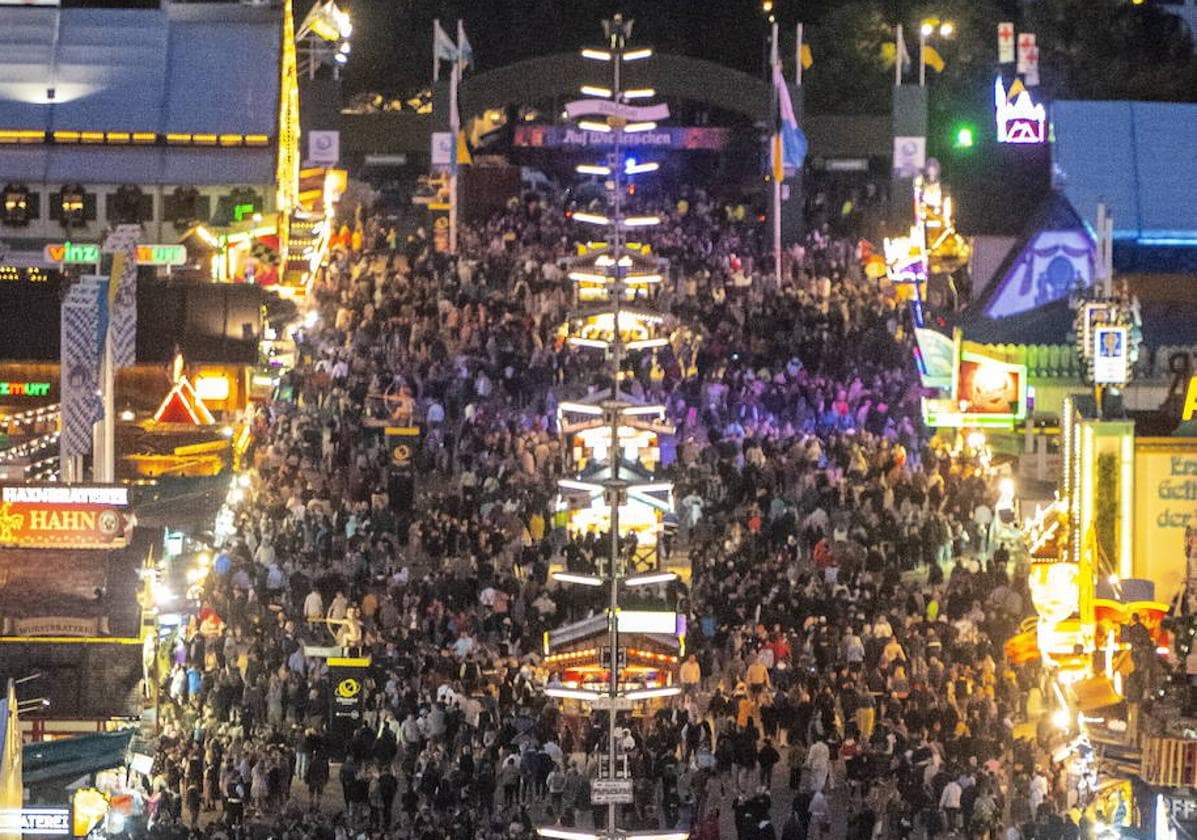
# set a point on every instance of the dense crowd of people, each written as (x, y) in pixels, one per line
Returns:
(846, 604)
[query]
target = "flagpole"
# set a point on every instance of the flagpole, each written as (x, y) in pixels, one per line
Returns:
(922, 57)
(898, 45)
(454, 127)
(104, 467)
(436, 62)
(775, 62)
(798, 59)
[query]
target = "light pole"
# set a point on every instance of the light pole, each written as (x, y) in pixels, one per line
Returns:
(928, 29)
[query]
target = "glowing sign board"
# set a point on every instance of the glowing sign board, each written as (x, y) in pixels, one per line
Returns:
(985, 393)
(1110, 355)
(24, 389)
(1019, 119)
(81, 253)
(79, 516)
(1189, 411)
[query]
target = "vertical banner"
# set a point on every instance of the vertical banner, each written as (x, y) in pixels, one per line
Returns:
(347, 676)
(122, 293)
(1005, 33)
(1028, 59)
(79, 372)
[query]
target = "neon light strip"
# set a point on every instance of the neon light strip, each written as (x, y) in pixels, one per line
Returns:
(130, 138)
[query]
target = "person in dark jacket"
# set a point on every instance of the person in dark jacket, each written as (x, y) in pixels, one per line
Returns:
(767, 757)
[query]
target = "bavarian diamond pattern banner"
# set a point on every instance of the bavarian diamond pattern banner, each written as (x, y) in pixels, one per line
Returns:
(122, 293)
(80, 360)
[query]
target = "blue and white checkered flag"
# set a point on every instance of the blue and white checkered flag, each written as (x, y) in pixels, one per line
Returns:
(80, 361)
(122, 293)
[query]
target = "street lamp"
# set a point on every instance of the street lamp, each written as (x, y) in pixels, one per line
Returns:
(929, 28)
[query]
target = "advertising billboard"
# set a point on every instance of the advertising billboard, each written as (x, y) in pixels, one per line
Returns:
(1165, 506)
(64, 516)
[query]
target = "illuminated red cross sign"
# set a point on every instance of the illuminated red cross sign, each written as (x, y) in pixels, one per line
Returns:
(1026, 40)
(1006, 31)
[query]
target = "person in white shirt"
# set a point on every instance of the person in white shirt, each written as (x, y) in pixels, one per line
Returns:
(313, 605)
(949, 803)
(1037, 791)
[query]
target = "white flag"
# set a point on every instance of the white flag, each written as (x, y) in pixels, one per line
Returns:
(465, 50)
(1005, 42)
(1028, 54)
(442, 45)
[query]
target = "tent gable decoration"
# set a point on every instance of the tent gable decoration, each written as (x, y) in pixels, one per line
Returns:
(1055, 256)
(182, 404)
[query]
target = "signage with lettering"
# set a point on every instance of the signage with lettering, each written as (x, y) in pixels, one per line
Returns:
(1165, 496)
(161, 255)
(46, 822)
(79, 253)
(605, 791)
(56, 625)
(619, 110)
(24, 389)
(347, 677)
(71, 253)
(53, 516)
(1189, 409)
(555, 137)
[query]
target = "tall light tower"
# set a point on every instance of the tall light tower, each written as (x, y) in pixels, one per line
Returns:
(614, 274)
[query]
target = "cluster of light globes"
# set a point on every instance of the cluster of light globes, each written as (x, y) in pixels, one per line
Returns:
(29, 447)
(33, 415)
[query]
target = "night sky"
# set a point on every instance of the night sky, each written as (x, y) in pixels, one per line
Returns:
(392, 42)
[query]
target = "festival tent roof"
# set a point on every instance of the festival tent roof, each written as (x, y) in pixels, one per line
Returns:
(1163, 322)
(70, 758)
(205, 68)
(1142, 168)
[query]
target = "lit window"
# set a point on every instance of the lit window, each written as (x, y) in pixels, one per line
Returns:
(72, 207)
(16, 205)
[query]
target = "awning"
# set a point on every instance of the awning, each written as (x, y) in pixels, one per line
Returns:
(71, 758)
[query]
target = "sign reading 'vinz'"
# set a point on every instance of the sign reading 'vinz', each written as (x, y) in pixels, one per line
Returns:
(83, 253)
(64, 517)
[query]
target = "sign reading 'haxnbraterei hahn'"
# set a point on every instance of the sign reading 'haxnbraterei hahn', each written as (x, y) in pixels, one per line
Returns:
(58, 516)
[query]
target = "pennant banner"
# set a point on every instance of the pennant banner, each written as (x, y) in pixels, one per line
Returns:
(122, 294)
(80, 362)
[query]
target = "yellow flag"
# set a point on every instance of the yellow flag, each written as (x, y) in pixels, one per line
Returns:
(808, 57)
(932, 58)
(463, 151)
(889, 52)
(12, 789)
(779, 171)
